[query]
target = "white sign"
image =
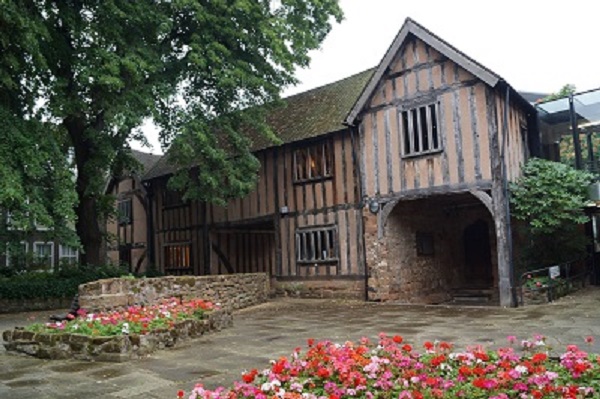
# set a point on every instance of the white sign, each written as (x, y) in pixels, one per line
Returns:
(554, 272)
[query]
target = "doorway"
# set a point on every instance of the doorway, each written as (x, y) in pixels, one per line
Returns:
(478, 255)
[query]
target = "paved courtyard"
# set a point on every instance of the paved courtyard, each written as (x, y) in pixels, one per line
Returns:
(274, 329)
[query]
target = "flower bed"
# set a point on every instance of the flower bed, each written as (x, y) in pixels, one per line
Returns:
(393, 369)
(118, 335)
(543, 289)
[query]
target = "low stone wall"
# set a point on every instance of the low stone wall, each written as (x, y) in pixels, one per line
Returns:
(334, 288)
(111, 349)
(27, 305)
(233, 291)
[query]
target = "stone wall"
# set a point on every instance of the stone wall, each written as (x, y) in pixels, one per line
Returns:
(233, 291)
(111, 349)
(26, 305)
(397, 271)
(326, 287)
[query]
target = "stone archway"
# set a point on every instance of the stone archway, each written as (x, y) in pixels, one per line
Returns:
(415, 248)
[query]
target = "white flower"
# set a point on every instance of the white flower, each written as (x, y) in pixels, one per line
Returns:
(125, 328)
(521, 369)
(266, 387)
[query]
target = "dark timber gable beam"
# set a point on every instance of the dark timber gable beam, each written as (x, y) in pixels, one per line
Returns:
(411, 27)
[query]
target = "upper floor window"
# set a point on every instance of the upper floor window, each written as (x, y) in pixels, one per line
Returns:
(313, 163)
(421, 130)
(316, 244)
(125, 212)
(172, 197)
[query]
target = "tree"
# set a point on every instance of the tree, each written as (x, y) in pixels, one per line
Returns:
(93, 71)
(564, 91)
(36, 178)
(550, 198)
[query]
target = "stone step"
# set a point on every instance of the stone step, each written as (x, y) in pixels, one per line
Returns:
(472, 295)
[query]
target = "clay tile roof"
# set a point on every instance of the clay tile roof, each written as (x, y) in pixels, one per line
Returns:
(305, 115)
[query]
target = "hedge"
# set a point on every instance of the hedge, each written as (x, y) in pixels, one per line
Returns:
(62, 284)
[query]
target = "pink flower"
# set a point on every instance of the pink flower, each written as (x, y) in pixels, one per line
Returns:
(511, 339)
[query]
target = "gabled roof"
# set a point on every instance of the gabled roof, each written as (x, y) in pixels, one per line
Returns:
(146, 159)
(334, 106)
(305, 115)
(411, 27)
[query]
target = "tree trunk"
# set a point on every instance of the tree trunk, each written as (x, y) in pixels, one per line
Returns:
(89, 231)
(88, 218)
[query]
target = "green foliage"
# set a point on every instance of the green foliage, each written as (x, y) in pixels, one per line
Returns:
(567, 148)
(62, 284)
(565, 91)
(87, 73)
(549, 199)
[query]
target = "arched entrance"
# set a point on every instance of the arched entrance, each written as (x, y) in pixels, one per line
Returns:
(477, 255)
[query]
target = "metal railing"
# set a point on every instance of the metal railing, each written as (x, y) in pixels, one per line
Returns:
(554, 280)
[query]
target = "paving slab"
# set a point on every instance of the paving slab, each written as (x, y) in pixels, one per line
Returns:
(273, 329)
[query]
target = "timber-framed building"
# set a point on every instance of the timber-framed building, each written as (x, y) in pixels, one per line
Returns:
(389, 185)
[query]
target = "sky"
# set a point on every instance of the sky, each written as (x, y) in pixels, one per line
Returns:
(534, 45)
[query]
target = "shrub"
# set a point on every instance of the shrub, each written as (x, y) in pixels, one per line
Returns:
(62, 284)
(549, 199)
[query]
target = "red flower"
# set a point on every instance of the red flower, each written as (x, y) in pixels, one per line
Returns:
(249, 377)
(311, 342)
(539, 358)
(323, 373)
(445, 345)
(180, 393)
(407, 348)
(397, 339)
(428, 345)
(279, 366)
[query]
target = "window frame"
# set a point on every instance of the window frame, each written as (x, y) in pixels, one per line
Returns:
(180, 244)
(325, 148)
(425, 243)
(407, 139)
(172, 198)
(35, 254)
(304, 234)
(68, 258)
(125, 221)
(7, 252)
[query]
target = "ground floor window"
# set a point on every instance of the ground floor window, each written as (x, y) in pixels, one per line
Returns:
(316, 244)
(425, 243)
(178, 257)
(68, 255)
(16, 254)
(43, 253)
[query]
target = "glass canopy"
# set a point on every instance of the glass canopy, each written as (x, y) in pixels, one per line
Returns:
(570, 129)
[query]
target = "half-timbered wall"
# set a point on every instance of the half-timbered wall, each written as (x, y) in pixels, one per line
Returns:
(420, 76)
(258, 233)
(130, 236)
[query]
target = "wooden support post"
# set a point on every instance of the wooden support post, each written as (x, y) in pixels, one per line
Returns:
(499, 206)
